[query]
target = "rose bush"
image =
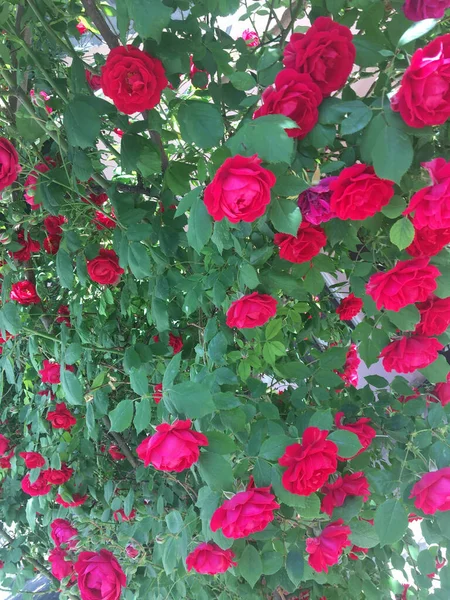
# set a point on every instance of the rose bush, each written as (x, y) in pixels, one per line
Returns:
(224, 310)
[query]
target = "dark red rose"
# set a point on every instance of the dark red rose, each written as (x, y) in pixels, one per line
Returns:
(52, 243)
(428, 242)
(61, 568)
(133, 79)
(28, 247)
(424, 95)
(61, 417)
(119, 515)
(4, 444)
(58, 476)
(245, 513)
(94, 81)
(434, 316)
(103, 221)
(176, 343)
(131, 551)
(53, 224)
(251, 311)
(431, 204)
(240, 190)
(325, 550)
(408, 354)
(357, 549)
(24, 293)
(359, 193)
(417, 10)
(39, 488)
(115, 453)
(349, 307)
(157, 393)
(432, 491)
(33, 460)
(62, 532)
(353, 484)
(9, 163)
(97, 199)
(442, 391)
(100, 577)
(64, 313)
(308, 242)
(361, 428)
(210, 559)
(314, 203)
(32, 180)
(77, 500)
(296, 96)
(173, 447)
(51, 372)
(325, 52)
(351, 365)
(410, 281)
(310, 463)
(5, 461)
(105, 268)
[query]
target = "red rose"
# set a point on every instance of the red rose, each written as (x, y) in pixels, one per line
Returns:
(100, 577)
(434, 316)
(408, 354)
(32, 179)
(81, 28)
(245, 513)
(352, 554)
(33, 460)
(39, 488)
(131, 551)
(133, 79)
(51, 372)
(105, 268)
(361, 428)
(431, 205)
(5, 461)
(442, 391)
(58, 476)
(325, 52)
(349, 307)
(24, 293)
(118, 131)
(28, 246)
(61, 568)
(351, 365)
(410, 281)
(62, 532)
(61, 417)
(176, 343)
(94, 81)
(157, 393)
(77, 500)
(251, 38)
(310, 463)
(173, 447)
(359, 193)
(9, 163)
(325, 550)
(64, 313)
(428, 242)
(427, 77)
(296, 96)
(354, 484)
(52, 243)
(103, 221)
(240, 190)
(432, 491)
(53, 224)
(417, 10)
(120, 516)
(308, 242)
(251, 311)
(4, 444)
(210, 559)
(115, 453)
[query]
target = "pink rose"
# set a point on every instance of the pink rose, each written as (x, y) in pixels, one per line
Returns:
(432, 491)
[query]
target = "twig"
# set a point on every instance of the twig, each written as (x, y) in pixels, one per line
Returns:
(99, 21)
(120, 442)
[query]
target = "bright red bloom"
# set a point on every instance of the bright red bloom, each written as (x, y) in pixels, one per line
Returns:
(210, 559)
(118, 132)
(4, 444)
(77, 500)
(353, 484)
(428, 242)
(157, 393)
(61, 568)
(51, 372)
(361, 428)
(310, 463)
(434, 316)
(100, 576)
(173, 447)
(352, 554)
(251, 38)
(5, 461)
(105, 268)
(33, 460)
(32, 180)
(119, 515)
(28, 247)
(115, 453)
(62, 532)
(245, 513)
(94, 81)
(58, 476)
(61, 417)
(417, 10)
(432, 491)
(349, 307)
(431, 205)
(408, 354)
(103, 221)
(410, 281)
(39, 488)
(81, 28)
(64, 313)
(9, 163)
(251, 311)
(175, 342)
(308, 242)
(24, 292)
(325, 550)
(442, 391)
(53, 224)
(352, 362)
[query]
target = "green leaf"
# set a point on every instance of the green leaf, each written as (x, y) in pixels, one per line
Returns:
(402, 233)
(275, 446)
(377, 381)
(150, 17)
(142, 415)
(285, 216)
(139, 153)
(250, 565)
(90, 419)
(347, 442)
(73, 391)
(395, 207)
(73, 353)
(139, 381)
(200, 123)
(391, 522)
(172, 370)
(252, 138)
(247, 276)
(242, 80)
(139, 260)
(358, 119)
(64, 269)
(30, 512)
(437, 371)
(220, 443)
(271, 562)
(426, 562)
(121, 416)
(174, 521)
(436, 415)
(82, 123)
(363, 534)
(417, 30)
(405, 319)
(199, 225)
(11, 318)
(295, 566)
(392, 152)
(323, 419)
(290, 186)
(216, 472)
(192, 399)
(187, 201)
